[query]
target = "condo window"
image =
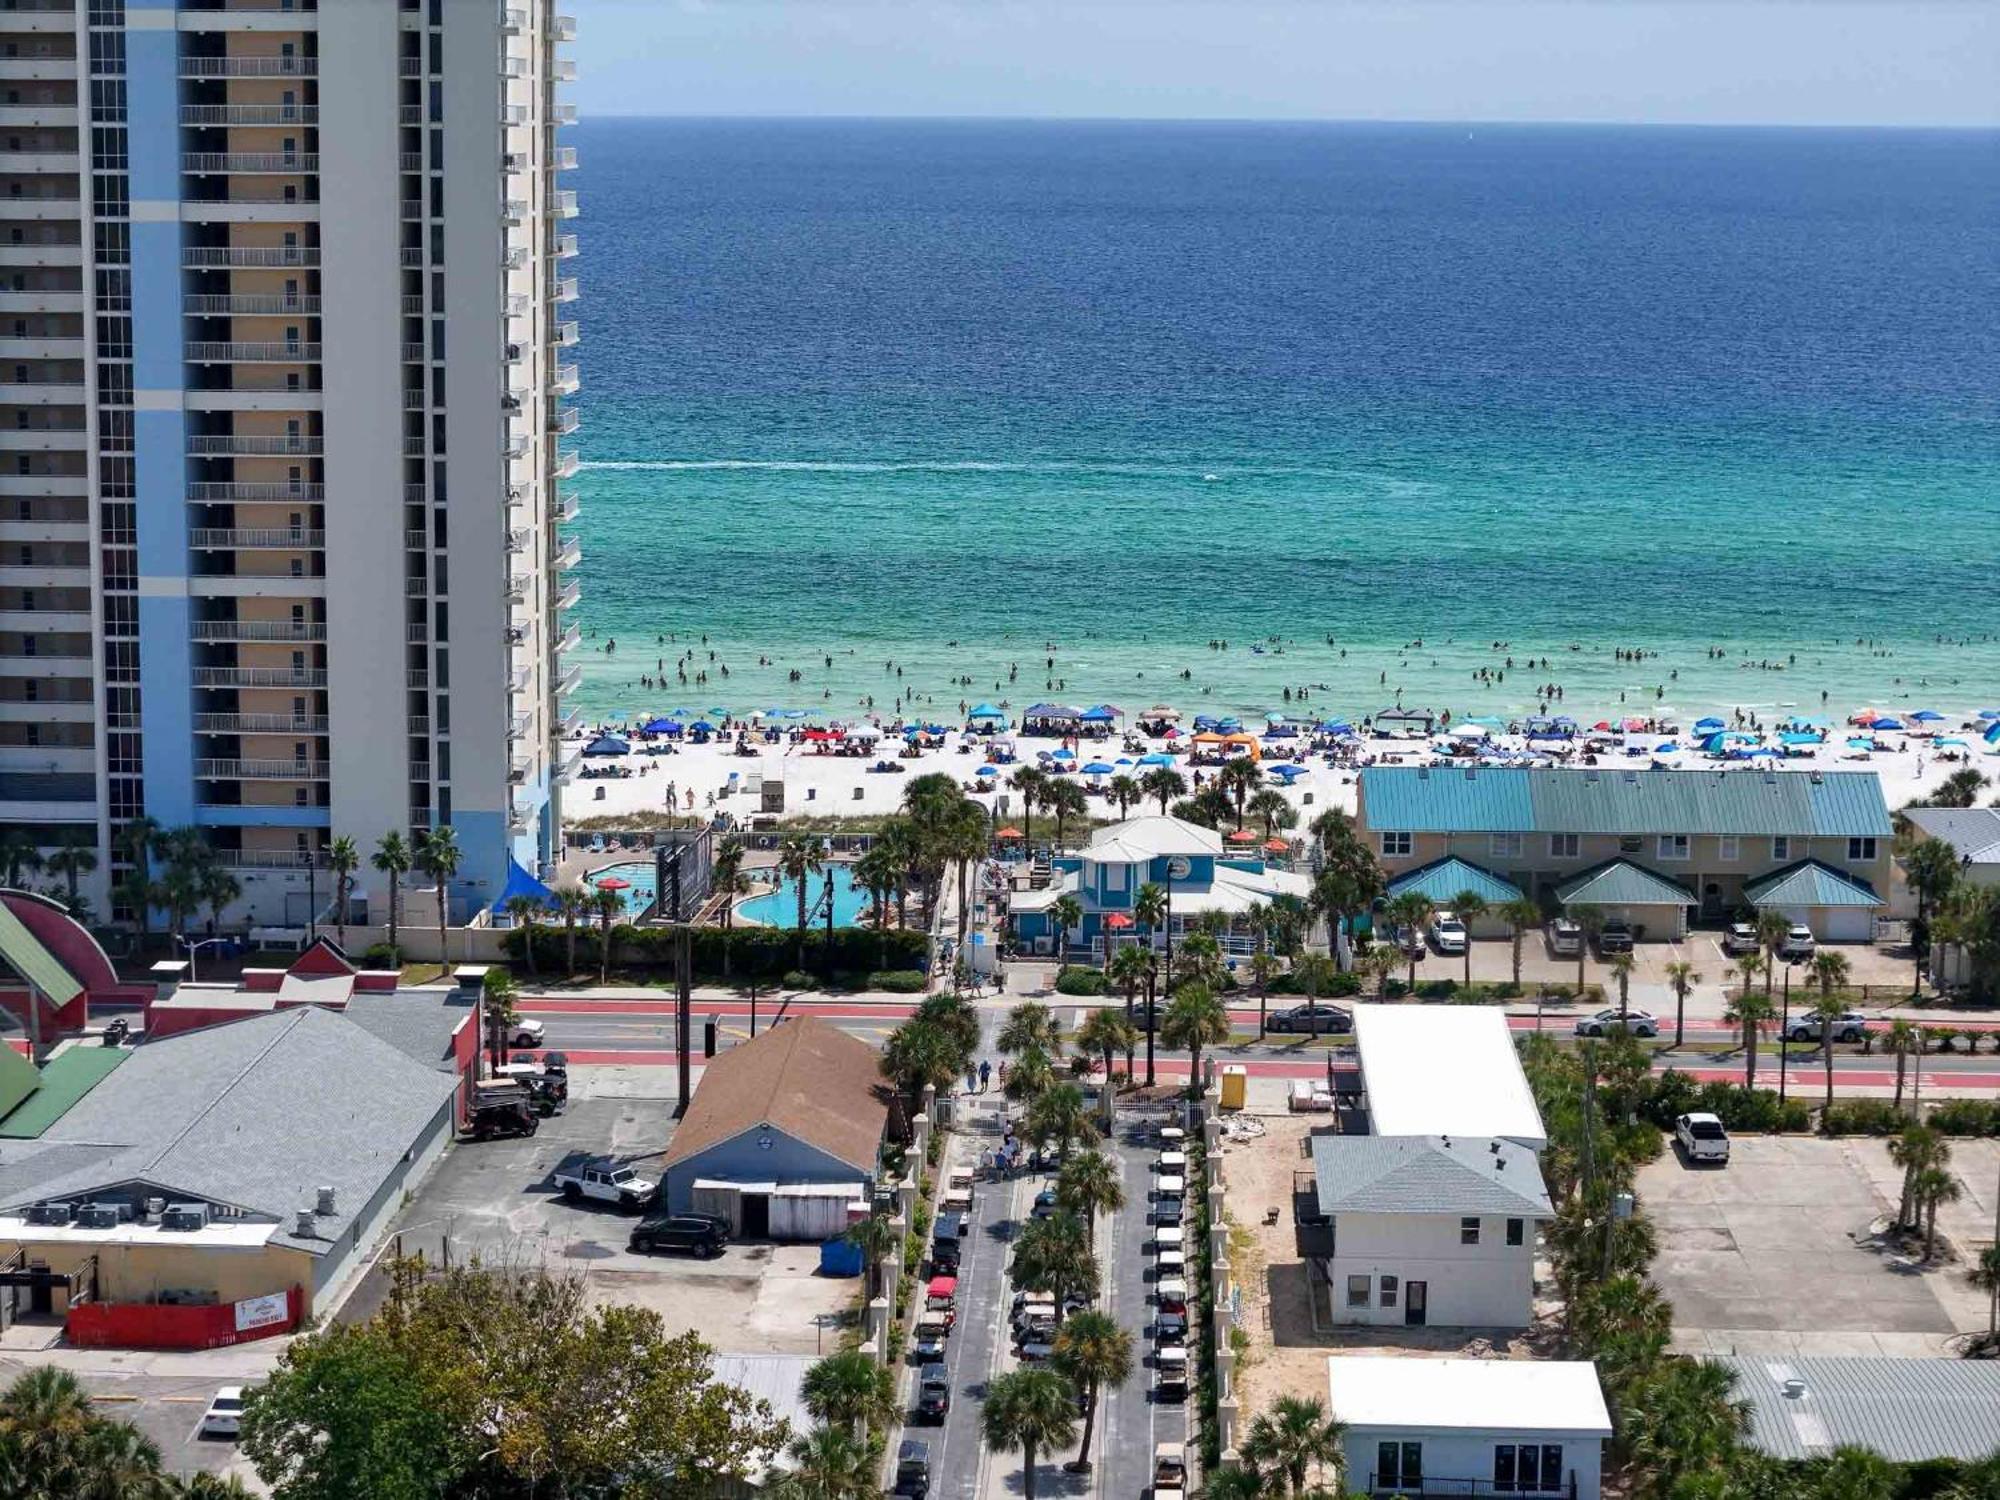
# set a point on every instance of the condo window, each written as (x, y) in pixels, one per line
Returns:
(1564, 846)
(1673, 846)
(1357, 1291)
(1727, 850)
(1860, 850)
(1781, 848)
(1468, 1231)
(1527, 1468)
(1517, 1231)
(1505, 845)
(1394, 844)
(1389, 1290)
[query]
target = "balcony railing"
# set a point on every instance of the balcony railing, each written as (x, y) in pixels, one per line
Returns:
(566, 247)
(566, 206)
(567, 505)
(1427, 1487)
(567, 380)
(258, 630)
(567, 334)
(269, 859)
(569, 682)
(254, 445)
(277, 677)
(250, 67)
(212, 258)
(563, 290)
(261, 770)
(568, 461)
(249, 161)
(256, 536)
(249, 114)
(279, 353)
(218, 493)
(565, 420)
(570, 554)
(274, 305)
(259, 724)
(570, 597)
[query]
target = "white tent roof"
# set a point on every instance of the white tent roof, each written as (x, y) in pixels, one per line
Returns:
(1445, 1070)
(1481, 1395)
(1151, 837)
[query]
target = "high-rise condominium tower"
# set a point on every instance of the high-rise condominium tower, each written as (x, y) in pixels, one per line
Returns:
(282, 367)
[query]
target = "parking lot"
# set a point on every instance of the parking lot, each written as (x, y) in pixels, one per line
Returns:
(1779, 1251)
(495, 1199)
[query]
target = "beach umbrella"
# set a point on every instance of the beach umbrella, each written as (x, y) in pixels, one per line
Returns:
(1276, 845)
(1157, 759)
(658, 726)
(1170, 733)
(1118, 921)
(1063, 753)
(1469, 732)
(1989, 713)
(1242, 836)
(987, 771)
(1097, 768)
(1710, 724)
(614, 883)
(1927, 716)
(1008, 833)
(1123, 760)
(1881, 724)
(1336, 726)
(702, 726)
(865, 732)
(1288, 773)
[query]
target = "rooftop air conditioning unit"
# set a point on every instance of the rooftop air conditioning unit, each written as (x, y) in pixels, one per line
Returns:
(185, 1217)
(51, 1213)
(97, 1216)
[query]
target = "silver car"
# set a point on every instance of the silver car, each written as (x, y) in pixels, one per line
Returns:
(1607, 1022)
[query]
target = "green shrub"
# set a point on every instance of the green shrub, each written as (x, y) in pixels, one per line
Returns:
(382, 956)
(1506, 989)
(1556, 993)
(1966, 1117)
(1749, 1111)
(1073, 980)
(799, 979)
(1861, 1117)
(762, 953)
(897, 981)
(1437, 989)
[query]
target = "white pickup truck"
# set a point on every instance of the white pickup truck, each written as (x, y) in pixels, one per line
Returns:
(605, 1182)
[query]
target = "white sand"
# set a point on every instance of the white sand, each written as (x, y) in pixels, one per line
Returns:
(819, 784)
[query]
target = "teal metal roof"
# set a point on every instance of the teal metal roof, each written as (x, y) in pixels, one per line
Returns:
(1810, 883)
(1442, 880)
(1482, 799)
(1622, 883)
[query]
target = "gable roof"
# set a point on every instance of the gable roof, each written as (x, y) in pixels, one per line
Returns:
(1484, 799)
(806, 1078)
(1427, 1174)
(1150, 837)
(1810, 883)
(1619, 882)
(1906, 1410)
(1974, 832)
(1442, 880)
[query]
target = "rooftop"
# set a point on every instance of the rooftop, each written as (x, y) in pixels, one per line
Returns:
(1137, 840)
(1443, 880)
(1810, 883)
(1445, 1070)
(806, 1078)
(1904, 1409)
(1482, 799)
(1479, 1395)
(1427, 1174)
(1619, 882)
(1973, 831)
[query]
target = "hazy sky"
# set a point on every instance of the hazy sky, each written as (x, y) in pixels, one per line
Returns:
(1924, 62)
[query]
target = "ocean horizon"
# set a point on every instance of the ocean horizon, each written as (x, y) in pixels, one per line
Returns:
(1029, 409)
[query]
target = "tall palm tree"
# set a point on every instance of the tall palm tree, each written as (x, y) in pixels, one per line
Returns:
(72, 860)
(1771, 930)
(19, 852)
(964, 841)
(1986, 1278)
(343, 859)
(850, 1389)
(1520, 915)
(1164, 783)
(1132, 970)
(1830, 970)
(1030, 1024)
(1682, 977)
(1106, 1032)
(1273, 809)
(1902, 1038)
(1411, 910)
(1621, 966)
(1066, 800)
(1088, 1185)
(1932, 869)
(218, 889)
(1239, 777)
(136, 840)
(572, 903)
(1096, 1354)
(392, 858)
(608, 906)
(1057, 1114)
(1124, 791)
(827, 1463)
(897, 839)
(1314, 972)
(45, 1418)
(1934, 1186)
(800, 857)
(1468, 906)
(438, 856)
(1295, 1435)
(1028, 1412)
(1917, 1149)
(1681, 1418)
(1751, 1012)
(1196, 1019)
(522, 909)
(1066, 914)
(1030, 782)
(1050, 1255)
(876, 1237)
(876, 871)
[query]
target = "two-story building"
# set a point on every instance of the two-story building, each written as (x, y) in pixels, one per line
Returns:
(1657, 849)
(1191, 864)
(1428, 1230)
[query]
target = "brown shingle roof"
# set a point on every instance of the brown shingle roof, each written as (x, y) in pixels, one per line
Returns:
(807, 1078)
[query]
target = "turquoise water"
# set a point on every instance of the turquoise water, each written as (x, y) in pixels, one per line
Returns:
(643, 876)
(780, 908)
(1023, 411)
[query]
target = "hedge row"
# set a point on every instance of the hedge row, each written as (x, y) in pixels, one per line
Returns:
(1074, 980)
(751, 952)
(1752, 1111)
(1959, 1117)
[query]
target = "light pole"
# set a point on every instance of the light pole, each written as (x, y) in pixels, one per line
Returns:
(1784, 1030)
(193, 947)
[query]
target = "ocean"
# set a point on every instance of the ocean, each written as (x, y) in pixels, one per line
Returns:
(983, 410)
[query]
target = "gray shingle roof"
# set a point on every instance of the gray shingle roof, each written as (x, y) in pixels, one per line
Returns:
(1973, 831)
(257, 1115)
(1904, 1409)
(1427, 1174)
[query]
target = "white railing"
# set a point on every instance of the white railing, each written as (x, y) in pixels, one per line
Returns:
(254, 353)
(271, 305)
(249, 114)
(258, 630)
(256, 536)
(211, 493)
(250, 67)
(259, 724)
(222, 258)
(283, 677)
(233, 444)
(249, 161)
(261, 770)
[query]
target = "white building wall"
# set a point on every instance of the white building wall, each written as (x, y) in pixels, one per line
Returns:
(1488, 1285)
(1463, 1455)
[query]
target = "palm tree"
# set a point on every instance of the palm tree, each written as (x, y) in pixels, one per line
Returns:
(1411, 910)
(1520, 915)
(1028, 1411)
(1057, 1114)
(1381, 962)
(19, 852)
(1750, 1011)
(1088, 1185)
(1196, 1019)
(1986, 1277)
(1621, 965)
(1934, 1186)
(1132, 969)
(963, 840)
(1682, 1418)
(876, 1237)
(1960, 789)
(608, 906)
(1030, 782)
(1681, 975)
(876, 871)
(850, 1389)
(502, 1017)
(342, 858)
(1030, 1024)
(1105, 1032)
(392, 858)
(1066, 913)
(1314, 972)
(1066, 800)
(827, 1463)
(135, 840)
(1902, 1038)
(45, 1417)
(522, 910)
(1095, 1353)
(800, 857)
(1932, 869)
(572, 903)
(180, 894)
(218, 889)
(1830, 970)
(1296, 1434)
(1239, 778)
(1468, 906)
(898, 839)
(204, 1486)
(1771, 930)
(1591, 920)
(1164, 783)
(916, 1054)
(1263, 969)
(72, 860)
(1273, 809)
(1124, 791)
(1917, 1149)
(438, 856)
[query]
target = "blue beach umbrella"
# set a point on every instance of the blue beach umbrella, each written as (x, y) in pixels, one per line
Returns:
(1288, 773)
(1097, 768)
(1881, 724)
(987, 771)
(1157, 759)
(1709, 726)
(702, 726)
(1123, 760)
(1927, 716)
(658, 726)
(1989, 713)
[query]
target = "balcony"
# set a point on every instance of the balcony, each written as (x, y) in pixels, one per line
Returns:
(565, 420)
(518, 587)
(269, 859)
(417, 633)
(259, 724)
(279, 353)
(565, 29)
(518, 443)
(571, 595)
(413, 208)
(280, 537)
(570, 640)
(570, 554)
(411, 161)
(568, 461)
(409, 67)
(513, 114)
(249, 257)
(563, 290)
(258, 630)
(261, 770)
(254, 677)
(250, 67)
(566, 247)
(513, 20)
(518, 304)
(249, 114)
(563, 159)
(274, 305)
(513, 67)
(563, 70)
(567, 334)
(519, 679)
(519, 538)
(210, 494)
(566, 380)
(570, 681)
(233, 445)
(416, 678)
(416, 541)
(516, 210)
(566, 206)
(567, 505)
(417, 724)
(290, 162)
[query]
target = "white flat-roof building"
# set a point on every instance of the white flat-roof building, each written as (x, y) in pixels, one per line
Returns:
(1445, 1071)
(1470, 1426)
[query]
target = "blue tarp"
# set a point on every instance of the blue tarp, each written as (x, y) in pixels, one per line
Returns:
(1288, 772)
(521, 883)
(1881, 724)
(840, 1257)
(986, 711)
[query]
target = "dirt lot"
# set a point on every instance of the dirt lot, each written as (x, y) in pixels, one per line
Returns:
(1285, 1354)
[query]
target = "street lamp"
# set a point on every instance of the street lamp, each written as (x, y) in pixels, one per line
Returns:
(1784, 1031)
(193, 947)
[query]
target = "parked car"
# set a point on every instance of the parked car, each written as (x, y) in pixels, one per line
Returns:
(913, 1470)
(1702, 1138)
(1448, 934)
(1408, 941)
(525, 1033)
(1565, 938)
(1169, 1210)
(1045, 1204)
(1318, 1020)
(1170, 1328)
(933, 1393)
(1615, 936)
(933, 1329)
(224, 1417)
(697, 1234)
(1740, 938)
(1605, 1022)
(605, 1182)
(1798, 943)
(1851, 1026)
(491, 1120)
(1170, 1367)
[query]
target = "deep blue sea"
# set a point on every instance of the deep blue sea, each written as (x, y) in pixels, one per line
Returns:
(968, 396)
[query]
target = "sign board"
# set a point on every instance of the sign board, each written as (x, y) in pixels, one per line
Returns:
(1179, 867)
(262, 1312)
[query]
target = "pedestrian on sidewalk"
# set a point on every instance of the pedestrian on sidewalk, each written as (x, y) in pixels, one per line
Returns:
(985, 1073)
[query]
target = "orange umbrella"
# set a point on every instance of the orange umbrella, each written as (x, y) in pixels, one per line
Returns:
(1118, 921)
(614, 883)
(1008, 833)
(1242, 836)
(1276, 845)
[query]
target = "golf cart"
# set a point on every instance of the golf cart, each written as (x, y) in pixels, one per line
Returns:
(1170, 1370)
(1169, 1471)
(913, 1470)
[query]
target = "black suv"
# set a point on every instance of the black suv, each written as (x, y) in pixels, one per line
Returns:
(700, 1235)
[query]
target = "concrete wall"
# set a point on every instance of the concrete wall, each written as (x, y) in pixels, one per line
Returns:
(1469, 1455)
(139, 1273)
(1488, 1285)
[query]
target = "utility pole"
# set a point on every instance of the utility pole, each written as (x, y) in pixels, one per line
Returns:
(1784, 1039)
(683, 1009)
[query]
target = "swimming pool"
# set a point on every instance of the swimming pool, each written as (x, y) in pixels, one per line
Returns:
(780, 908)
(640, 874)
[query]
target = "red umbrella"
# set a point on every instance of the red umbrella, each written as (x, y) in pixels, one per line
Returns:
(1118, 921)
(1276, 845)
(1242, 836)
(1008, 833)
(614, 883)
